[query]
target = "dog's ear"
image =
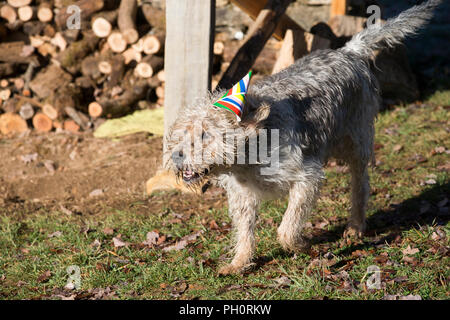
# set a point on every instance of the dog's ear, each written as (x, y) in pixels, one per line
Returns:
(254, 118)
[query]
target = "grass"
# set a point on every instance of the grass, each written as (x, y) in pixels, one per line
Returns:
(407, 211)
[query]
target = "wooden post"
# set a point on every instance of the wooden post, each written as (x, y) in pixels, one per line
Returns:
(338, 8)
(188, 67)
(188, 53)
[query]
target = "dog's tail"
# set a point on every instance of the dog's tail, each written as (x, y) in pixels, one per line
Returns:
(391, 33)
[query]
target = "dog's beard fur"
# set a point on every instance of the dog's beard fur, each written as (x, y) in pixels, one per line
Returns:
(203, 140)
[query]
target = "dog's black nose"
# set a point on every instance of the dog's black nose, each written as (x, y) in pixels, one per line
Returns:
(178, 158)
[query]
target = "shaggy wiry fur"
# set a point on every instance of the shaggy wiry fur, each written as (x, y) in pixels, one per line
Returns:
(323, 105)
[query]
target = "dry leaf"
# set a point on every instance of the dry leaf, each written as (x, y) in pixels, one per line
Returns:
(397, 148)
(55, 234)
(108, 231)
(151, 238)
(45, 276)
(410, 251)
(118, 242)
(184, 241)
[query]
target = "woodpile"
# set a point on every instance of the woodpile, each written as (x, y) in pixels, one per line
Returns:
(60, 71)
(54, 76)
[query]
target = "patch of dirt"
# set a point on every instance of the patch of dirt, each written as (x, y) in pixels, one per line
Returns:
(84, 174)
(68, 167)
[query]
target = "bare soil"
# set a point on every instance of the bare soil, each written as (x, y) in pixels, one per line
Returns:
(84, 174)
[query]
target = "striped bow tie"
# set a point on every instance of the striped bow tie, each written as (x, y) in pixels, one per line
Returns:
(234, 99)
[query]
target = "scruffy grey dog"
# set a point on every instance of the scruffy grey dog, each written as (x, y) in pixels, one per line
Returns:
(324, 105)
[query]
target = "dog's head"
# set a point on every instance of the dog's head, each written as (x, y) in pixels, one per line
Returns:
(202, 140)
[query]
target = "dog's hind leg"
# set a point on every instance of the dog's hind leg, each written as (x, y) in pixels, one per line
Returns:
(360, 197)
(243, 204)
(302, 196)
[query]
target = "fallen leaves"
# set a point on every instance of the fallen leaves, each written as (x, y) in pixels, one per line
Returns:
(118, 242)
(183, 242)
(397, 148)
(44, 277)
(108, 231)
(55, 234)
(151, 238)
(410, 251)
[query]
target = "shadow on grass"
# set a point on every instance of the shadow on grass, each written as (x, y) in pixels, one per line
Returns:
(389, 223)
(413, 212)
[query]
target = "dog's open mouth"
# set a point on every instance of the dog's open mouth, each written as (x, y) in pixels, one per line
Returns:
(190, 176)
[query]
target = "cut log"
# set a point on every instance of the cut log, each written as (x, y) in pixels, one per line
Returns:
(11, 123)
(89, 67)
(4, 83)
(45, 12)
(71, 57)
(8, 13)
(57, 124)
(95, 109)
(126, 20)
(218, 48)
(153, 44)
(5, 94)
(254, 7)
(50, 111)
(105, 67)
(59, 41)
(49, 30)
(161, 76)
(256, 38)
(154, 16)
(138, 46)
(19, 3)
(117, 42)
(101, 27)
(33, 28)
(85, 82)
(132, 55)
(26, 13)
(26, 111)
(338, 7)
(121, 105)
(116, 76)
(7, 69)
(87, 7)
(76, 116)
(149, 66)
(49, 80)
(19, 83)
(71, 126)
(42, 123)
(160, 92)
(143, 70)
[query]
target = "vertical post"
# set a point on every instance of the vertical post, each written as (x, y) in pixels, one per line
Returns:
(188, 53)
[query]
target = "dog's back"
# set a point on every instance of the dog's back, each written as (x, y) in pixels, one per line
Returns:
(321, 94)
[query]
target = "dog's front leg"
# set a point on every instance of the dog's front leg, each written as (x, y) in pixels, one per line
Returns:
(242, 204)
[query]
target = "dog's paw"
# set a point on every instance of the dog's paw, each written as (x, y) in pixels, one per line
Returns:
(352, 232)
(297, 245)
(230, 269)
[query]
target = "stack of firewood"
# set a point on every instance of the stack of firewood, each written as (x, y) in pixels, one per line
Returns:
(60, 72)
